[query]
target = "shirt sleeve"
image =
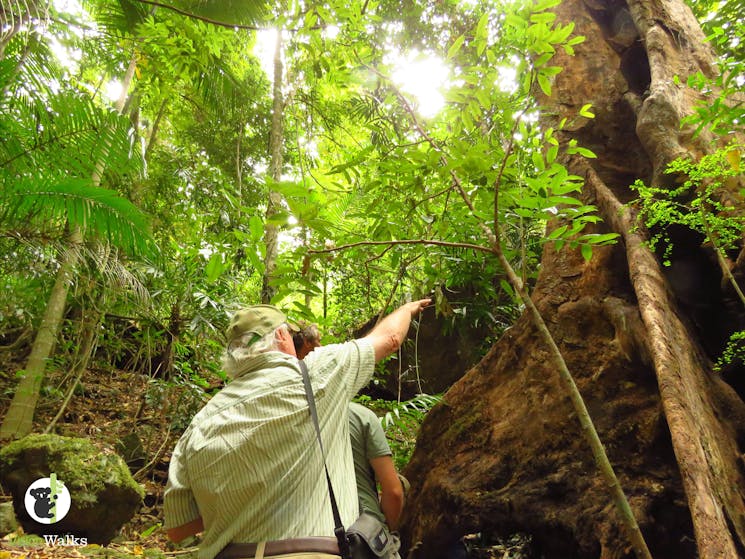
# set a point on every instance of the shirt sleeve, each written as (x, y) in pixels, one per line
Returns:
(179, 505)
(365, 357)
(350, 364)
(377, 444)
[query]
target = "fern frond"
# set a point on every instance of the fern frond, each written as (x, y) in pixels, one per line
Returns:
(409, 411)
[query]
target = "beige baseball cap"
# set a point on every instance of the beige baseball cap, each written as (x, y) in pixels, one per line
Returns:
(257, 319)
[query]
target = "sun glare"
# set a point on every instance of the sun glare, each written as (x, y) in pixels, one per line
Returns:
(113, 90)
(266, 42)
(422, 76)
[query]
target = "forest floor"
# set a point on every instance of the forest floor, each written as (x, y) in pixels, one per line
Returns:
(106, 408)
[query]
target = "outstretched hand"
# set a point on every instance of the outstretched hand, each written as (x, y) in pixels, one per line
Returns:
(415, 307)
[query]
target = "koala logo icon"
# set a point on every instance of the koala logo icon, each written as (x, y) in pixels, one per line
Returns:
(44, 503)
(47, 500)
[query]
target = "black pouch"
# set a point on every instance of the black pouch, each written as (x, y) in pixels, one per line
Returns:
(368, 538)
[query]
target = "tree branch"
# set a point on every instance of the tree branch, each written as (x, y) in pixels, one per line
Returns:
(403, 242)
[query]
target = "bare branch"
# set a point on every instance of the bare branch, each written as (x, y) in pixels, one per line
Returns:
(403, 242)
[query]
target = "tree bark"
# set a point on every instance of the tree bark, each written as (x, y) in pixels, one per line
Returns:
(670, 37)
(484, 462)
(18, 421)
(274, 199)
(706, 452)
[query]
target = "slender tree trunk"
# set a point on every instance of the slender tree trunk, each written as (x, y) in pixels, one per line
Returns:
(154, 131)
(18, 422)
(707, 455)
(239, 167)
(88, 337)
(19, 419)
(274, 201)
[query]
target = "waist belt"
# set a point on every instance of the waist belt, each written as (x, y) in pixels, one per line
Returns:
(315, 544)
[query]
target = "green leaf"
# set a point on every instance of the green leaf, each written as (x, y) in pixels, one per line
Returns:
(586, 153)
(537, 160)
(545, 84)
(481, 36)
(551, 71)
(558, 232)
(561, 33)
(546, 5)
(551, 154)
(586, 252)
(256, 227)
(586, 112)
(513, 20)
(214, 268)
(507, 288)
(600, 238)
(455, 47)
(542, 59)
(546, 17)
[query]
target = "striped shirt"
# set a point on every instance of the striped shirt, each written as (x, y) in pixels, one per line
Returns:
(249, 463)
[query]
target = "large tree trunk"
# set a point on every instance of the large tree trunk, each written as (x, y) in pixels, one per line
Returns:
(503, 452)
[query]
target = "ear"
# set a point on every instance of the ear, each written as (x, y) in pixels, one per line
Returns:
(284, 341)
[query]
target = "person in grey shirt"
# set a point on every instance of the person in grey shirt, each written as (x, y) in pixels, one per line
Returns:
(373, 460)
(373, 465)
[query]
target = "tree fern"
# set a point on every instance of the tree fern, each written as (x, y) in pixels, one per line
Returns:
(403, 414)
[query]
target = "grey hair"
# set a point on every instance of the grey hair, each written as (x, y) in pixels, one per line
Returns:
(242, 349)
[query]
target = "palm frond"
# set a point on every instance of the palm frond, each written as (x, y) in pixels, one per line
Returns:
(218, 86)
(117, 19)
(70, 134)
(104, 260)
(97, 212)
(15, 14)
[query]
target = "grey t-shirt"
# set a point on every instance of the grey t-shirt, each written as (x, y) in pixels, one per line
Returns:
(368, 441)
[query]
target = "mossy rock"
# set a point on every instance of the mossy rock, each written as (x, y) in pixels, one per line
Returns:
(103, 494)
(8, 521)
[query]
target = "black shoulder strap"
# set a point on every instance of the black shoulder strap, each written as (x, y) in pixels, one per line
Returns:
(339, 527)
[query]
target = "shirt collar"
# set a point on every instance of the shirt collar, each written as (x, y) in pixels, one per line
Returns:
(266, 360)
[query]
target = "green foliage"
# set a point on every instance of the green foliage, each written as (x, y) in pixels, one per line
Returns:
(724, 23)
(96, 212)
(192, 153)
(243, 12)
(401, 422)
(734, 352)
(696, 203)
